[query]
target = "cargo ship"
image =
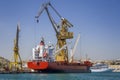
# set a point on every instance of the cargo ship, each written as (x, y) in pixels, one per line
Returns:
(48, 59)
(43, 61)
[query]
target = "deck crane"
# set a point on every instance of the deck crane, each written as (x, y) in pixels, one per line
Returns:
(17, 64)
(61, 30)
(74, 48)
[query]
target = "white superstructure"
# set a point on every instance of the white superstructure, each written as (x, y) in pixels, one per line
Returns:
(42, 51)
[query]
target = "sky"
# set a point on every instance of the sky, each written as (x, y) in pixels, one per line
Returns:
(97, 21)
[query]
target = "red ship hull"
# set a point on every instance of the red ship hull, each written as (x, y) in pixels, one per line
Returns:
(58, 67)
(37, 65)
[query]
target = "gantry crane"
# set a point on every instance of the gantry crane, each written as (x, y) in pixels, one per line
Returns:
(17, 64)
(61, 30)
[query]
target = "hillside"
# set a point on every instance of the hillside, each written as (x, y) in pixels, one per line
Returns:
(3, 63)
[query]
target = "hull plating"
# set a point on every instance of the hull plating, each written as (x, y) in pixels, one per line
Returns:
(35, 65)
(54, 67)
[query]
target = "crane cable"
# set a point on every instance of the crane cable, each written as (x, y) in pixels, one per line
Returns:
(35, 33)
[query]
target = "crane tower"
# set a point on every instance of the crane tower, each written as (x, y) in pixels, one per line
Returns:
(61, 30)
(17, 64)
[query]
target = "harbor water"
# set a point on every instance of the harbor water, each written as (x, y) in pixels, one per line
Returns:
(70, 76)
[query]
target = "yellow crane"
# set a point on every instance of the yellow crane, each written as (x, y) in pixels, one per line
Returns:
(17, 64)
(61, 30)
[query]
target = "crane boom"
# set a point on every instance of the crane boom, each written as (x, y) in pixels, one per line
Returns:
(42, 9)
(52, 21)
(55, 11)
(63, 47)
(45, 7)
(74, 48)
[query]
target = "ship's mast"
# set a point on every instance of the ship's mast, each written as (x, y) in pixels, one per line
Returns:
(62, 32)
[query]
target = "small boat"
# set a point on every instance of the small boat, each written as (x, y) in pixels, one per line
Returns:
(100, 67)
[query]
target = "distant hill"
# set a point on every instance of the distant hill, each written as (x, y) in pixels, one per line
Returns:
(4, 62)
